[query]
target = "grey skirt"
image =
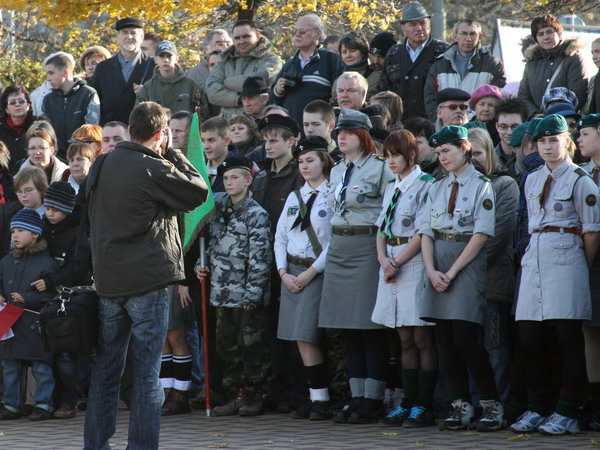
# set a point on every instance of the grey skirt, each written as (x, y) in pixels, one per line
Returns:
(465, 298)
(299, 313)
(175, 309)
(350, 283)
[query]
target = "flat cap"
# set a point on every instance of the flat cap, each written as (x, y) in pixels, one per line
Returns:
(452, 94)
(128, 22)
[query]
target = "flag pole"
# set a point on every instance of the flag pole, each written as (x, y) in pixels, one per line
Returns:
(205, 328)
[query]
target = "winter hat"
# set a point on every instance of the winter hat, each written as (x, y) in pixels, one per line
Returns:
(381, 43)
(559, 94)
(61, 196)
(485, 90)
(27, 219)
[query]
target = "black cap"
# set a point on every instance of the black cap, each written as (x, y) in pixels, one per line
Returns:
(235, 162)
(165, 47)
(452, 94)
(381, 43)
(279, 121)
(128, 22)
(379, 134)
(311, 144)
(254, 85)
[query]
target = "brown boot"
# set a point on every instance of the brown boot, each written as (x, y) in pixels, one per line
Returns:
(254, 403)
(233, 407)
(177, 403)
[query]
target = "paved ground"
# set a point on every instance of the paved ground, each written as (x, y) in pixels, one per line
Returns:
(276, 431)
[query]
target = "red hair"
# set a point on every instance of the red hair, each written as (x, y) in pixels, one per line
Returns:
(365, 140)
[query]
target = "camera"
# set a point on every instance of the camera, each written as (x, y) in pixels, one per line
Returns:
(293, 80)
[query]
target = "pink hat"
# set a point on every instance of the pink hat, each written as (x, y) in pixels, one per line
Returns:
(485, 90)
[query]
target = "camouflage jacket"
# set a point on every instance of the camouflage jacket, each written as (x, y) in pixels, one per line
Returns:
(239, 254)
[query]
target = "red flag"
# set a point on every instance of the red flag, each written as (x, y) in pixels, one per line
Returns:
(8, 316)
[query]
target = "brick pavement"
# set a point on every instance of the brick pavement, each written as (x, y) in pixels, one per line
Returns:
(275, 431)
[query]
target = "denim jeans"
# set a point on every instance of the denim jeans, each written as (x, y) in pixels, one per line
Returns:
(13, 391)
(496, 340)
(140, 322)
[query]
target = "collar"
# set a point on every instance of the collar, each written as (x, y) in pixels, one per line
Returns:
(359, 161)
(124, 60)
(466, 57)
(556, 173)
(307, 189)
(408, 181)
(313, 54)
(466, 174)
(419, 48)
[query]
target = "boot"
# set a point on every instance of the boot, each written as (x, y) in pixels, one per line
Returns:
(233, 407)
(177, 403)
(254, 403)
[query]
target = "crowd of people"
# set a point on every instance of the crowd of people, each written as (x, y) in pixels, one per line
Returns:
(399, 236)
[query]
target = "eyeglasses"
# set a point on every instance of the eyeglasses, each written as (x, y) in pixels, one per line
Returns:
(465, 34)
(303, 31)
(505, 127)
(454, 107)
(25, 191)
(37, 149)
(17, 101)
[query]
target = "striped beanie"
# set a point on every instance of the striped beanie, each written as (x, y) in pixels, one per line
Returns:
(61, 196)
(27, 219)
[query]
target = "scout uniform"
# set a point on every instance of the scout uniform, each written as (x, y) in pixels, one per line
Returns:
(396, 304)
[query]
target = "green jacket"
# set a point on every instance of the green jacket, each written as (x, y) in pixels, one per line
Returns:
(179, 93)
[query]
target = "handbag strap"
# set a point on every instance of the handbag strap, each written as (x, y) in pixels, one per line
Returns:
(310, 231)
(554, 75)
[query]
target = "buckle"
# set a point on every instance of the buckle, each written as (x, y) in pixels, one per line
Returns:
(451, 237)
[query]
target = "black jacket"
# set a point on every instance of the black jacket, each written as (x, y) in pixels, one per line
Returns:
(134, 196)
(16, 144)
(116, 94)
(407, 78)
(7, 212)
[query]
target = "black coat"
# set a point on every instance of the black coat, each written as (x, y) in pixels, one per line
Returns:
(16, 144)
(17, 271)
(117, 98)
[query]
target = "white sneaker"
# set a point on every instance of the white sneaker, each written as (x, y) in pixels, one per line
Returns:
(461, 417)
(557, 425)
(528, 422)
(492, 418)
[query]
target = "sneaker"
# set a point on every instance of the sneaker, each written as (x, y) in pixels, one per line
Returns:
(528, 423)
(370, 411)
(40, 414)
(460, 418)
(254, 404)
(557, 425)
(492, 418)
(64, 412)
(320, 411)
(7, 414)
(419, 417)
(303, 412)
(233, 407)
(395, 418)
(177, 403)
(343, 415)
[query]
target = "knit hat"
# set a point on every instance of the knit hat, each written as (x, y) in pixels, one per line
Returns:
(27, 219)
(61, 196)
(516, 138)
(593, 120)
(381, 43)
(350, 119)
(485, 90)
(550, 126)
(448, 134)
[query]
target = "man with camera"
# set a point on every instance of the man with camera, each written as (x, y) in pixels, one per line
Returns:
(309, 75)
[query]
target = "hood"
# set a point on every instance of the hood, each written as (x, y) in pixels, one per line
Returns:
(567, 47)
(263, 47)
(39, 247)
(179, 75)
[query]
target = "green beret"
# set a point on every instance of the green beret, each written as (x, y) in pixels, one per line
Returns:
(550, 126)
(533, 123)
(593, 120)
(475, 124)
(516, 138)
(448, 134)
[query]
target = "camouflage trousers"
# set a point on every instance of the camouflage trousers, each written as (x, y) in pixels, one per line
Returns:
(241, 339)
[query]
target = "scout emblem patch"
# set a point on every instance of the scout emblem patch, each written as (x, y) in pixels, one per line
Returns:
(292, 210)
(488, 204)
(590, 200)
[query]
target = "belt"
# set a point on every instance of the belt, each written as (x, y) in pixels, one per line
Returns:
(576, 231)
(303, 262)
(452, 237)
(352, 231)
(396, 240)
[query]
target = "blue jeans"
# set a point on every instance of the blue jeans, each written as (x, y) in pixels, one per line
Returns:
(140, 322)
(13, 392)
(496, 340)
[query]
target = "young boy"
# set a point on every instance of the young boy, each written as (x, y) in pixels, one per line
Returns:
(319, 120)
(239, 258)
(26, 262)
(71, 103)
(169, 87)
(216, 143)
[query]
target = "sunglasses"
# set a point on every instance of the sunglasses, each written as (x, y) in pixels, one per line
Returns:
(454, 107)
(84, 140)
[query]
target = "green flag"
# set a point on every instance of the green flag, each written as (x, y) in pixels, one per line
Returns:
(195, 220)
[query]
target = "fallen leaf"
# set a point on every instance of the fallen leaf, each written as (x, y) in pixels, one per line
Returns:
(418, 444)
(391, 434)
(593, 442)
(220, 435)
(217, 446)
(517, 437)
(266, 442)
(472, 434)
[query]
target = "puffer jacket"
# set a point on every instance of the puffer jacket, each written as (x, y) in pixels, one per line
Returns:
(540, 67)
(18, 270)
(179, 93)
(228, 75)
(483, 68)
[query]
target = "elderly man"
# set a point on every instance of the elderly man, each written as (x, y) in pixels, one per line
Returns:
(216, 40)
(351, 90)
(309, 75)
(406, 65)
(452, 107)
(117, 79)
(250, 55)
(465, 65)
(255, 96)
